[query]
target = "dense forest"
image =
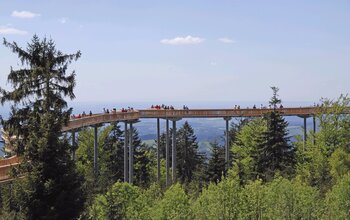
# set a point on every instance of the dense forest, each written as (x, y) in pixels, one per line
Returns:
(268, 176)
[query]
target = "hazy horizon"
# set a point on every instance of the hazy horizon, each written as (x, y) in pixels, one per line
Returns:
(190, 50)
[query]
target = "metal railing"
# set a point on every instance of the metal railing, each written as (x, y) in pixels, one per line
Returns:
(96, 119)
(207, 113)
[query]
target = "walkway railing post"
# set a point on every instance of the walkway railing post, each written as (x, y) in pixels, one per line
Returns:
(95, 149)
(167, 182)
(126, 179)
(158, 150)
(131, 156)
(173, 157)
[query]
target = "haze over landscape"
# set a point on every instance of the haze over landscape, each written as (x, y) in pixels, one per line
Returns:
(185, 109)
(167, 51)
(211, 55)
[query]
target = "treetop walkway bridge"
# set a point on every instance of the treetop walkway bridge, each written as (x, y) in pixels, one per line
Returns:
(131, 117)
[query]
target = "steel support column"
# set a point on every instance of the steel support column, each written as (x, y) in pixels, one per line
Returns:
(158, 150)
(95, 149)
(314, 123)
(314, 127)
(173, 157)
(305, 131)
(227, 143)
(126, 179)
(131, 156)
(73, 145)
(167, 182)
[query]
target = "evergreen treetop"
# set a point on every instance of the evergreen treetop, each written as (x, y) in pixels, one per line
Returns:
(275, 153)
(51, 187)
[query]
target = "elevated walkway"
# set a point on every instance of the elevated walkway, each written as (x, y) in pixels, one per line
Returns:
(98, 119)
(192, 113)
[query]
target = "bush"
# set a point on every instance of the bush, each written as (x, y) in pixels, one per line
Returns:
(338, 200)
(174, 205)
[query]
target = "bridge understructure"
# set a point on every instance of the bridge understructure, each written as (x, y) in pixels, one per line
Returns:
(132, 117)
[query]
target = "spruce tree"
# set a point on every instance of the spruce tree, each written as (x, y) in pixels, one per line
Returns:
(216, 164)
(189, 159)
(163, 144)
(275, 153)
(235, 127)
(142, 161)
(113, 156)
(51, 187)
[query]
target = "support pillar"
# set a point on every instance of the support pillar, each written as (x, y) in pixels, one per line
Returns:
(126, 179)
(167, 182)
(95, 150)
(227, 143)
(173, 157)
(131, 156)
(314, 127)
(73, 145)
(305, 132)
(158, 150)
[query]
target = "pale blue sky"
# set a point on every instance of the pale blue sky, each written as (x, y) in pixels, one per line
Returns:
(187, 50)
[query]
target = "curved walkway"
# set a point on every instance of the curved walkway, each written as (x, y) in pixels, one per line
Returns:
(192, 113)
(97, 119)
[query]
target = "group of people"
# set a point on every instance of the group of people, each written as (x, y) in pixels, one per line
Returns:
(105, 111)
(129, 109)
(82, 115)
(185, 107)
(167, 107)
(114, 110)
(264, 107)
(164, 107)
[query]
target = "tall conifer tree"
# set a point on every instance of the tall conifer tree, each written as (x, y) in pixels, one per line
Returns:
(51, 188)
(275, 153)
(113, 153)
(142, 161)
(189, 159)
(216, 164)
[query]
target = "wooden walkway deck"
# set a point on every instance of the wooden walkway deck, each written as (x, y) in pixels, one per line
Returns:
(97, 119)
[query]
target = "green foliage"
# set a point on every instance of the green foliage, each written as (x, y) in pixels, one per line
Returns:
(162, 143)
(112, 156)
(252, 201)
(141, 208)
(334, 123)
(235, 128)
(175, 204)
(339, 163)
(110, 161)
(291, 200)
(218, 201)
(314, 168)
(85, 155)
(144, 161)
(115, 203)
(338, 200)
(323, 162)
(190, 162)
(245, 151)
(275, 153)
(189, 159)
(216, 165)
(51, 187)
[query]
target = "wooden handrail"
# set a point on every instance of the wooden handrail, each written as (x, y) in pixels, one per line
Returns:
(97, 119)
